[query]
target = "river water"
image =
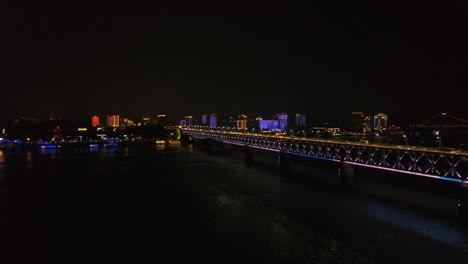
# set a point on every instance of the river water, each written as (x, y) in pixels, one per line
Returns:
(178, 204)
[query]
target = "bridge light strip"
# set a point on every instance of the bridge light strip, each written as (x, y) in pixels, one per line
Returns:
(310, 156)
(352, 163)
(407, 172)
(275, 150)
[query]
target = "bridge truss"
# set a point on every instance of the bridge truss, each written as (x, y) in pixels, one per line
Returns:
(427, 162)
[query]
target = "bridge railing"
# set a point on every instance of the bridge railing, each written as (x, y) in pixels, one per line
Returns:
(448, 165)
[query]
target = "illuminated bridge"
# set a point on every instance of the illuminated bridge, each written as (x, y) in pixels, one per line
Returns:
(449, 165)
(446, 165)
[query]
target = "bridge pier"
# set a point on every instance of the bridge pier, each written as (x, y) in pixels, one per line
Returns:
(284, 163)
(249, 155)
(463, 203)
(346, 176)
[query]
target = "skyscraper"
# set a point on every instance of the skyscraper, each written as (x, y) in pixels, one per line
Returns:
(300, 120)
(189, 120)
(242, 122)
(113, 121)
(204, 119)
(357, 119)
(213, 120)
(368, 124)
(380, 121)
(283, 121)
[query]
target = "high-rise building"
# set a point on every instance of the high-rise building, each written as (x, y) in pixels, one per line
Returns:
(380, 121)
(368, 124)
(357, 119)
(213, 120)
(95, 121)
(283, 121)
(242, 122)
(113, 121)
(271, 125)
(189, 120)
(160, 120)
(145, 121)
(204, 119)
(125, 122)
(300, 120)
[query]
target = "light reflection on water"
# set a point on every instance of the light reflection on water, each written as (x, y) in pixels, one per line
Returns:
(93, 149)
(235, 214)
(160, 146)
(50, 153)
(28, 156)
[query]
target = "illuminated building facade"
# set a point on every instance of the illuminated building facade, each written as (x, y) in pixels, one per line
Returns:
(213, 120)
(357, 119)
(113, 121)
(161, 120)
(204, 119)
(146, 121)
(95, 121)
(300, 120)
(282, 121)
(380, 122)
(189, 120)
(368, 124)
(268, 124)
(241, 122)
(125, 122)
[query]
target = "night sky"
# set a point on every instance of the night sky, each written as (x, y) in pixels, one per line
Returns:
(257, 58)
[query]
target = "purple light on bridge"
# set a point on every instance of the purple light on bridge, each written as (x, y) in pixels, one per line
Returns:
(408, 172)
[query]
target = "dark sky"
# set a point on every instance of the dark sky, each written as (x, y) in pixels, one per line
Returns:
(189, 57)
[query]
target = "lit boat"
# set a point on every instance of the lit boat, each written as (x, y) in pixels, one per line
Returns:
(110, 143)
(160, 142)
(48, 145)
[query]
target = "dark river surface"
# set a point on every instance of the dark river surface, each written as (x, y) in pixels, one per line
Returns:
(179, 204)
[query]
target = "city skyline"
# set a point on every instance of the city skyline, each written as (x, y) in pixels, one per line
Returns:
(223, 58)
(342, 120)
